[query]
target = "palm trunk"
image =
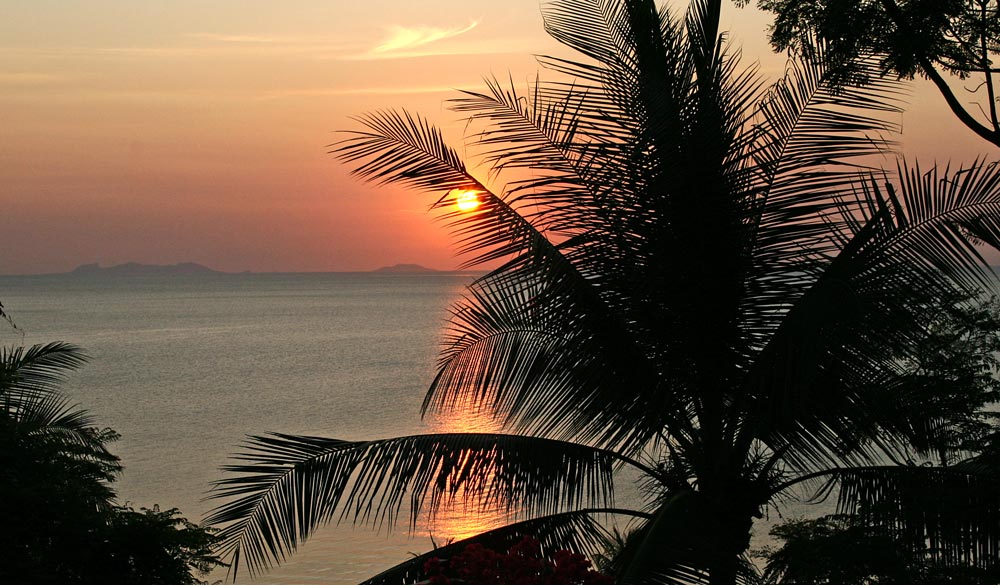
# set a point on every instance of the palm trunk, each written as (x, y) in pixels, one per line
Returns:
(723, 571)
(731, 514)
(729, 542)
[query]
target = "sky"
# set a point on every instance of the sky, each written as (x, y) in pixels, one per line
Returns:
(198, 130)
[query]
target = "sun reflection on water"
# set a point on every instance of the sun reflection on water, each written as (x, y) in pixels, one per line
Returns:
(463, 517)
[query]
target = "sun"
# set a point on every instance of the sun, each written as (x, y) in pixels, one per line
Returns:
(466, 200)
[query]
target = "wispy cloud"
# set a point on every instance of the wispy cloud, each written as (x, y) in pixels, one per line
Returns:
(337, 91)
(407, 38)
(20, 79)
(224, 38)
(205, 48)
(26, 93)
(124, 95)
(408, 42)
(399, 42)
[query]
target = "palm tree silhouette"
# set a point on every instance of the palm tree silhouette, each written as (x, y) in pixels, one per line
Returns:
(43, 432)
(55, 467)
(698, 281)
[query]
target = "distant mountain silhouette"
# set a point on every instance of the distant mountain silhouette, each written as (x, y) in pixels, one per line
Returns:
(136, 269)
(404, 269)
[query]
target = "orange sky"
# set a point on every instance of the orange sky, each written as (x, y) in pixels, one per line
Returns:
(195, 130)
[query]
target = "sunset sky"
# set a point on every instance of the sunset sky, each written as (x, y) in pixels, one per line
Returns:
(183, 130)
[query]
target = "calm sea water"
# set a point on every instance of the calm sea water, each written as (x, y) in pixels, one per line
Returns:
(184, 367)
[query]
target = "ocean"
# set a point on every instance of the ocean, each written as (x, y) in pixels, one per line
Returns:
(184, 367)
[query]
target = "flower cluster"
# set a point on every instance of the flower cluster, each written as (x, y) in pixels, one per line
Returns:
(522, 565)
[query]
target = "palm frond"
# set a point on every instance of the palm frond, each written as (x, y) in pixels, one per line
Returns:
(30, 398)
(400, 147)
(941, 219)
(554, 137)
(799, 402)
(670, 549)
(641, 77)
(654, 96)
(547, 363)
(48, 413)
(592, 27)
(287, 486)
(37, 419)
(493, 231)
(39, 368)
(912, 258)
(948, 514)
(577, 531)
(808, 144)
(6, 317)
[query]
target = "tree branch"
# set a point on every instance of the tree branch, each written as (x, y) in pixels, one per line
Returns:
(985, 57)
(897, 17)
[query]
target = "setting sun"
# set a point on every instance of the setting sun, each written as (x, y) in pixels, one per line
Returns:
(467, 200)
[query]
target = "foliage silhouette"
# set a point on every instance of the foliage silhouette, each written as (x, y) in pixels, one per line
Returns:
(935, 39)
(521, 565)
(842, 550)
(890, 526)
(698, 280)
(61, 523)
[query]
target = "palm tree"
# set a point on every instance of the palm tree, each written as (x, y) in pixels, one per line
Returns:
(55, 468)
(40, 427)
(61, 521)
(697, 281)
(918, 523)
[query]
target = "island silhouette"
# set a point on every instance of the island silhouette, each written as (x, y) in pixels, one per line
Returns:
(137, 269)
(404, 269)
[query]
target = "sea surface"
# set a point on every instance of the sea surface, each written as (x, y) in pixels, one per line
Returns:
(185, 367)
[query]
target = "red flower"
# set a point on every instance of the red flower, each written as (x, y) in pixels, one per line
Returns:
(524, 564)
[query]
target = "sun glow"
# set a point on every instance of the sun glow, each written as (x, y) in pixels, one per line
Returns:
(464, 515)
(466, 200)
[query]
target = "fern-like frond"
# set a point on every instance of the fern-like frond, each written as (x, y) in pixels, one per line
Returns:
(910, 259)
(577, 531)
(400, 147)
(810, 142)
(548, 363)
(39, 368)
(31, 400)
(286, 486)
(946, 513)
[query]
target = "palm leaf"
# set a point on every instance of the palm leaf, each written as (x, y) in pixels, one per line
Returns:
(671, 549)
(287, 486)
(404, 148)
(39, 368)
(948, 514)
(806, 151)
(6, 317)
(495, 230)
(545, 366)
(575, 531)
(40, 421)
(944, 216)
(634, 28)
(31, 400)
(550, 135)
(912, 258)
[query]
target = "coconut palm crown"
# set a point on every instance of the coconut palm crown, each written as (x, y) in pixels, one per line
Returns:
(699, 280)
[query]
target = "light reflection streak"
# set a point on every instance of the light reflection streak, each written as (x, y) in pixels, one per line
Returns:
(463, 517)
